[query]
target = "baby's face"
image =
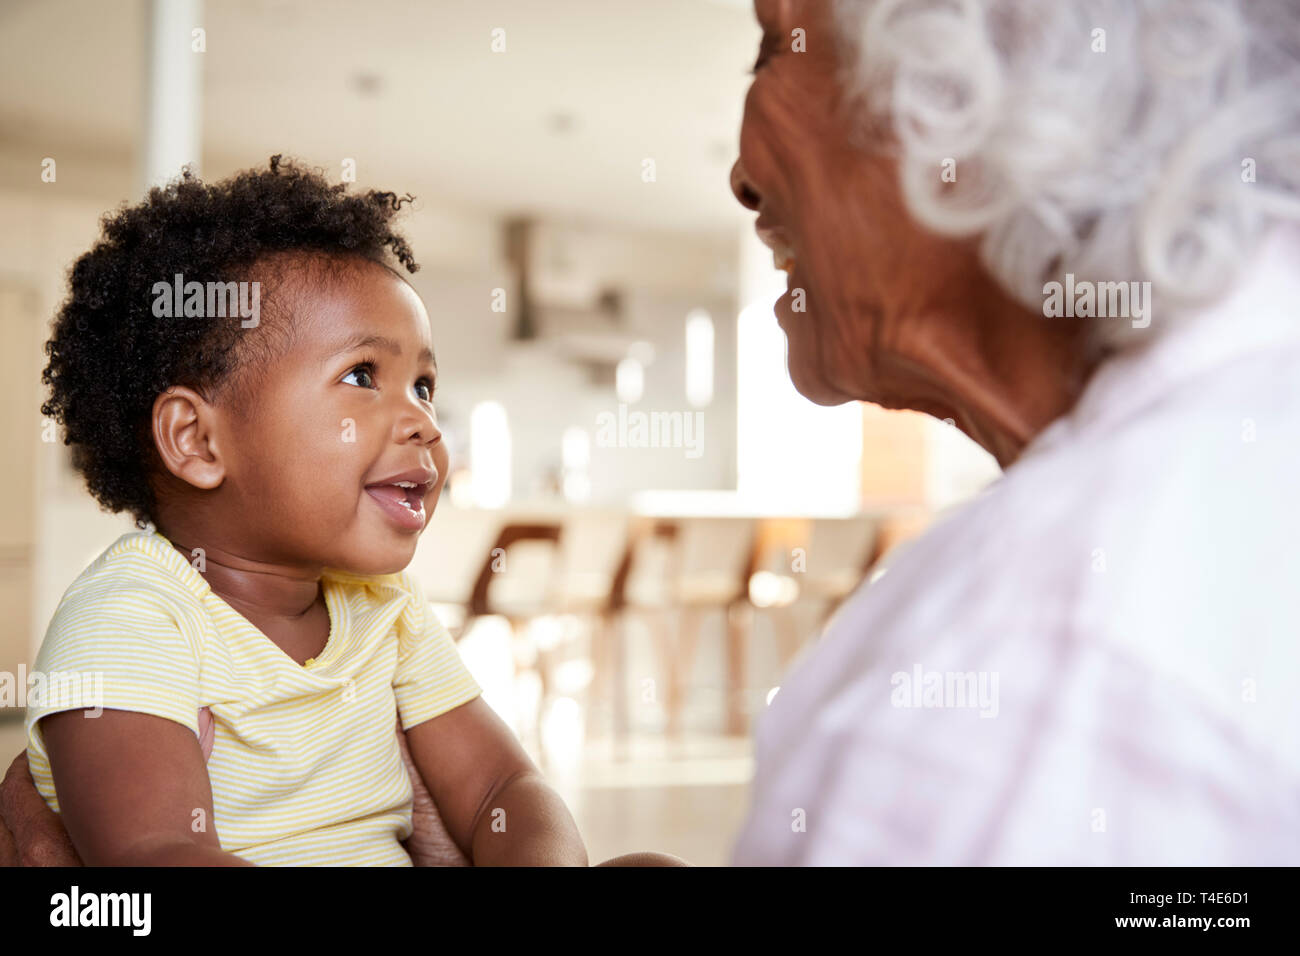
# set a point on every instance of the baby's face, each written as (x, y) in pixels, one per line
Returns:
(335, 417)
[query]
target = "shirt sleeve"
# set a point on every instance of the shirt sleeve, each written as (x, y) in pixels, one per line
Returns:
(118, 646)
(431, 678)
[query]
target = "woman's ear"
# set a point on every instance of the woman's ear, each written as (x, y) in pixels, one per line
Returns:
(185, 435)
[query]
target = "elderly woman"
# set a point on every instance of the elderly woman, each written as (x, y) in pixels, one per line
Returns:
(1066, 227)
(1069, 228)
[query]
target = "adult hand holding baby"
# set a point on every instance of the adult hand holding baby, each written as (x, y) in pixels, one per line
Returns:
(31, 834)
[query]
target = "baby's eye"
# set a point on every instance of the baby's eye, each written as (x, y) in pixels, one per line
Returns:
(427, 394)
(364, 371)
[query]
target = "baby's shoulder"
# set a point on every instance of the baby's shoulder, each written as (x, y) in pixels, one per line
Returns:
(139, 575)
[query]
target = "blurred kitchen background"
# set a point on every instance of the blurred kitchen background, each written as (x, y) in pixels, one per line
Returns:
(644, 523)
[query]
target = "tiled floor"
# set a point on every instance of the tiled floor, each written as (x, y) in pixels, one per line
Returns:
(688, 800)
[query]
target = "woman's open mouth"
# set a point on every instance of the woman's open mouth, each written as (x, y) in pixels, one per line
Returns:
(402, 502)
(778, 240)
(785, 259)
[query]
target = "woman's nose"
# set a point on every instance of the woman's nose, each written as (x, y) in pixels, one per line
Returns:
(745, 194)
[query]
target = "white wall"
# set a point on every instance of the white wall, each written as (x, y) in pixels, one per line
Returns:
(43, 233)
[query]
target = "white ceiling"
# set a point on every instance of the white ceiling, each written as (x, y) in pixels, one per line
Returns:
(450, 120)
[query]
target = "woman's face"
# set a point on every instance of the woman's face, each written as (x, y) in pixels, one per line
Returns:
(876, 289)
(347, 406)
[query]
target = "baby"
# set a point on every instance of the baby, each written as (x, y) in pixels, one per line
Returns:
(241, 369)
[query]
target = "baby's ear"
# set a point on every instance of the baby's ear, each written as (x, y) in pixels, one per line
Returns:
(185, 437)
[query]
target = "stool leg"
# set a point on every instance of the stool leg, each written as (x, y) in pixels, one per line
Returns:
(618, 655)
(598, 691)
(788, 639)
(681, 661)
(519, 632)
(736, 629)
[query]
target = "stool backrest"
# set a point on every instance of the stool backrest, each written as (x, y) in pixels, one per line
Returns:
(840, 545)
(691, 554)
(592, 545)
(521, 569)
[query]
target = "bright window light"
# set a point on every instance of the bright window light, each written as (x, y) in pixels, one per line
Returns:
(791, 454)
(575, 447)
(489, 450)
(820, 448)
(629, 380)
(699, 358)
(575, 452)
(577, 487)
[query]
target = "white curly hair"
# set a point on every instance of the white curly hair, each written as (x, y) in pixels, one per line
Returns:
(1118, 140)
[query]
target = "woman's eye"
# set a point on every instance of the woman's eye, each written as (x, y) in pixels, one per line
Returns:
(364, 372)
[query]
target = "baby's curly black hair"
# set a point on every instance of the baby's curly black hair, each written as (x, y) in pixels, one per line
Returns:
(111, 356)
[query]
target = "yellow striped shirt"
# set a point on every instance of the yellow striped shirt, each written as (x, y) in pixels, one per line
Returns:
(305, 767)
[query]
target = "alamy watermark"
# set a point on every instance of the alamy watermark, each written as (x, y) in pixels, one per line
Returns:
(1085, 299)
(201, 300)
(70, 690)
(637, 429)
(949, 689)
(75, 908)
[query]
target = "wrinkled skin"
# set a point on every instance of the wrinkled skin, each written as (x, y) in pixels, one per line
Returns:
(895, 314)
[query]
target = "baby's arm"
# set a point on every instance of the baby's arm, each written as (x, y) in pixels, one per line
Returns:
(479, 775)
(129, 784)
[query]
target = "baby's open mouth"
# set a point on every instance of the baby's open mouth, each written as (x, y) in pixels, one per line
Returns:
(408, 494)
(402, 498)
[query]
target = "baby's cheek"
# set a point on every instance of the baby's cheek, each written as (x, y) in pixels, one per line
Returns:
(442, 462)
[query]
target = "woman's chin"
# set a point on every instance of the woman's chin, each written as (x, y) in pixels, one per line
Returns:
(808, 380)
(802, 356)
